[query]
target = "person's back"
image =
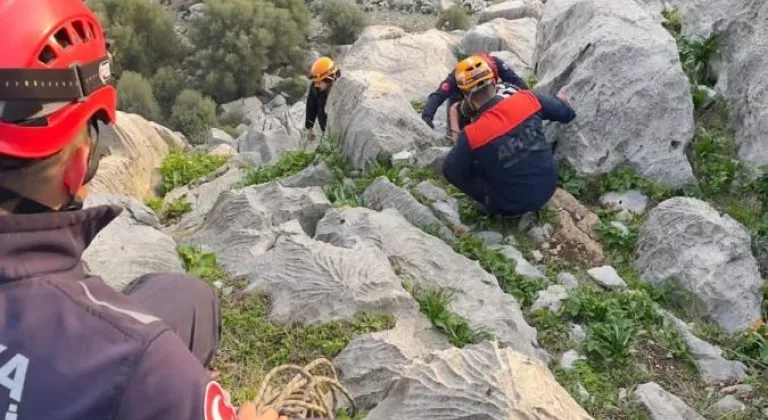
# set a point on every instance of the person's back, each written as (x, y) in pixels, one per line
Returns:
(502, 159)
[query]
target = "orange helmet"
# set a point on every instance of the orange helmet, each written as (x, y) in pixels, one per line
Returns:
(473, 73)
(323, 69)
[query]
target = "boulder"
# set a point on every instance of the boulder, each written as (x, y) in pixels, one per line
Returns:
(371, 363)
(607, 277)
(620, 69)
(311, 176)
(250, 108)
(429, 262)
(522, 266)
(382, 194)
(481, 381)
(574, 231)
(242, 224)
(223, 150)
(633, 201)
(374, 118)
(512, 10)
(687, 242)
(218, 136)
(268, 139)
(709, 360)
(131, 246)
(515, 36)
(134, 150)
(662, 405)
(742, 78)
(310, 282)
(203, 197)
(432, 157)
(417, 62)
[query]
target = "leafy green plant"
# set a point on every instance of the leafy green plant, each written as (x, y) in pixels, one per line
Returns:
(452, 18)
(751, 347)
(288, 164)
(434, 304)
(696, 57)
(344, 19)
(673, 21)
(619, 244)
(169, 211)
(571, 181)
(625, 179)
(180, 168)
(611, 341)
(532, 80)
(418, 105)
(714, 162)
(201, 264)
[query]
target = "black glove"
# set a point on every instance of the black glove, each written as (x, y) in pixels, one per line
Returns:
(428, 121)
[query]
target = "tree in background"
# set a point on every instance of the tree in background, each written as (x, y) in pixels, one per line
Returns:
(236, 41)
(344, 19)
(143, 33)
(134, 94)
(193, 115)
(167, 84)
(452, 18)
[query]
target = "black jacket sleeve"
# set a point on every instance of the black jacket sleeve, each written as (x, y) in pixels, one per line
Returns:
(508, 75)
(446, 89)
(311, 113)
(555, 109)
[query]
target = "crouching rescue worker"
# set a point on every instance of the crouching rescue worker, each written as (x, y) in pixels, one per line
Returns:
(71, 347)
(502, 159)
(449, 90)
(323, 73)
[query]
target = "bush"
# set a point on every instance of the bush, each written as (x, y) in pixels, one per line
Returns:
(452, 18)
(345, 20)
(193, 115)
(167, 85)
(294, 88)
(145, 39)
(237, 41)
(134, 94)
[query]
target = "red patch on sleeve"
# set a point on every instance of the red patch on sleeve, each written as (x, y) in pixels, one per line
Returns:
(217, 406)
(445, 87)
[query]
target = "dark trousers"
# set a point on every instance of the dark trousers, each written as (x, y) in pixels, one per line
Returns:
(186, 304)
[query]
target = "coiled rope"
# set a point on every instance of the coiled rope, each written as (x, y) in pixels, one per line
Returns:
(307, 394)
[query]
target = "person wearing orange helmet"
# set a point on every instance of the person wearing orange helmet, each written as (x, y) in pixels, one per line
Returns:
(502, 159)
(71, 347)
(323, 73)
(449, 90)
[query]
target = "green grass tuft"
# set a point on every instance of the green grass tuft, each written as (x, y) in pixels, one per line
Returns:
(180, 168)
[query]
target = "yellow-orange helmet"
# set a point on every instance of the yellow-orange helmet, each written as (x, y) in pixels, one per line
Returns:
(322, 69)
(472, 73)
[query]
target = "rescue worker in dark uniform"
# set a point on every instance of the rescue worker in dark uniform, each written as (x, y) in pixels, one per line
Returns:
(502, 159)
(323, 73)
(448, 90)
(71, 347)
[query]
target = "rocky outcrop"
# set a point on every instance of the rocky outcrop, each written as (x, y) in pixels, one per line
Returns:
(687, 242)
(134, 238)
(134, 150)
(382, 194)
(374, 118)
(517, 37)
(428, 262)
(481, 381)
(662, 405)
(242, 224)
(709, 360)
(574, 237)
(513, 9)
(273, 130)
(416, 62)
(310, 281)
(615, 61)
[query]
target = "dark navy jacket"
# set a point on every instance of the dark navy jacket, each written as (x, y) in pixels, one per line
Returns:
(72, 348)
(316, 100)
(449, 89)
(505, 154)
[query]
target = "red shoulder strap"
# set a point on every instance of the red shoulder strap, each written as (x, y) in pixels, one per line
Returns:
(502, 118)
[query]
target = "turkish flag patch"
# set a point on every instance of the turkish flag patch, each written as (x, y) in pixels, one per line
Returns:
(217, 406)
(445, 87)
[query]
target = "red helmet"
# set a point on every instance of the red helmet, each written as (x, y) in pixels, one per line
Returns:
(54, 53)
